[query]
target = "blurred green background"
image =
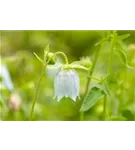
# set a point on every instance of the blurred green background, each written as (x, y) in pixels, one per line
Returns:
(16, 52)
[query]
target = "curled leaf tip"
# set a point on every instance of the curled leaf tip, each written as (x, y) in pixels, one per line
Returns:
(38, 58)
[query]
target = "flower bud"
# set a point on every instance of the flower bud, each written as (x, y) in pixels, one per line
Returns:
(49, 55)
(14, 102)
(86, 62)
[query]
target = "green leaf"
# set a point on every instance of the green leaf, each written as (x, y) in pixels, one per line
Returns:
(91, 98)
(77, 66)
(46, 51)
(101, 42)
(105, 88)
(123, 57)
(128, 114)
(130, 67)
(122, 45)
(122, 37)
(118, 118)
(47, 48)
(38, 58)
(98, 43)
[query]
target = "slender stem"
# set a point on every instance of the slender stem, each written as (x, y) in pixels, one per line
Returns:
(91, 71)
(111, 54)
(38, 58)
(80, 67)
(95, 78)
(11, 115)
(109, 70)
(122, 87)
(64, 56)
(134, 95)
(81, 116)
(105, 106)
(2, 106)
(42, 73)
(34, 99)
(90, 76)
(134, 76)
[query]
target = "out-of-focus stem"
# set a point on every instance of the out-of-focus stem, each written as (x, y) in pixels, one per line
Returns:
(90, 74)
(109, 70)
(42, 73)
(35, 96)
(91, 71)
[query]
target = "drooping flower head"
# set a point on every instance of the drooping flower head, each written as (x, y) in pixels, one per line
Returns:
(66, 84)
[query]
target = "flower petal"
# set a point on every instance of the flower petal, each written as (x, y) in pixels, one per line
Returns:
(66, 84)
(4, 73)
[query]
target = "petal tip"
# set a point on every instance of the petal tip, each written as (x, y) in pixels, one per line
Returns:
(74, 98)
(59, 98)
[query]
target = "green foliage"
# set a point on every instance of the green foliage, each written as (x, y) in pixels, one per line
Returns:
(92, 98)
(19, 48)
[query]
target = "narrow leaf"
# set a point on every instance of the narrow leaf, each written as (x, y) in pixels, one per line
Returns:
(91, 98)
(130, 67)
(77, 66)
(105, 88)
(122, 37)
(46, 51)
(101, 41)
(98, 43)
(118, 118)
(123, 57)
(38, 58)
(122, 45)
(47, 48)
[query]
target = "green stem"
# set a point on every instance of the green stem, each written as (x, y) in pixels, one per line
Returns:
(109, 70)
(104, 108)
(90, 76)
(81, 116)
(63, 55)
(134, 95)
(99, 80)
(91, 71)
(111, 53)
(11, 115)
(34, 99)
(38, 58)
(122, 87)
(2, 106)
(79, 67)
(134, 89)
(42, 73)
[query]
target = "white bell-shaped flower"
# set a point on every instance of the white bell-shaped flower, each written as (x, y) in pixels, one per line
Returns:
(66, 84)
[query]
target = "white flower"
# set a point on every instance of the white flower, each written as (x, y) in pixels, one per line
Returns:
(52, 70)
(66, 84)
(6, 79)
